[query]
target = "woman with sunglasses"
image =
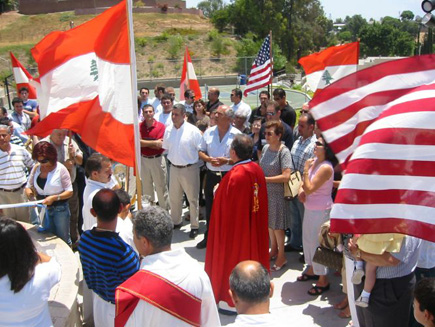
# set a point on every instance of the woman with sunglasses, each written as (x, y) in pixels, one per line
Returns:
(275, 162)
(50, 180)
(315, 193)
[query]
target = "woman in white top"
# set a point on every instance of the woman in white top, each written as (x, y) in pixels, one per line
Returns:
(51, 181)
(26, 278)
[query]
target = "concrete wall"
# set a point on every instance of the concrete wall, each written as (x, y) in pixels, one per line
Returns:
(32, 7)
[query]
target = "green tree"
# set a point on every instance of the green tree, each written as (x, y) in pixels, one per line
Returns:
(210, 7)
(354, 25)
(175, 44)
(407, 15)
(220, 19)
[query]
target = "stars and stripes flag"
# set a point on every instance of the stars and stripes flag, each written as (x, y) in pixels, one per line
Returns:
(328, 66)
(87, 86)
(380, 123)
(22, 77)
(261, 70)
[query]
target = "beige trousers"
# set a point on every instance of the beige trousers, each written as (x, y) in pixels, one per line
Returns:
(184, 180)
(21, 214)
(153, 171)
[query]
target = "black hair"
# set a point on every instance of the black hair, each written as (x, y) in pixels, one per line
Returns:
(265, 92)
(18, 256)
(123, 196)
(279, 92)
(237, 93)
(94, 163)
(424, 293)
(17, 100)
(106, 205)
(242, 145)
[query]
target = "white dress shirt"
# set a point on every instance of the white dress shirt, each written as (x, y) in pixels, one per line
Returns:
(243, 108)
(214, 147)
(182, 144)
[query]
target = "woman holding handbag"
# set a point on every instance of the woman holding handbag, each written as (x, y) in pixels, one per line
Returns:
(315, 193)
(275, 162)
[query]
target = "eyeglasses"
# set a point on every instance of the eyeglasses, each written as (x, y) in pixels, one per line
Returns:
(319, 143)
(192, 97)
(270, 113)
(269, 133)
(304, 111)
(43, 161)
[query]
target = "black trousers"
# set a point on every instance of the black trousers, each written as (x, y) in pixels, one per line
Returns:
(390, 302)
(211, 179)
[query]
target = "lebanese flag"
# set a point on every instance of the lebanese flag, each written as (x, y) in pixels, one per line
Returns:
(188, 78)
(380, 123)
(86, 86)
(328, 66)
(22, 77)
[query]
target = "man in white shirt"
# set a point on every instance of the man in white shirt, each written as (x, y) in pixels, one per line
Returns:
(159, 90)
(164, 116)
(189, 99)
(251, 290)
(182, 141)
(215, 152)
(239, 106)
(14, 160)
(171, 288)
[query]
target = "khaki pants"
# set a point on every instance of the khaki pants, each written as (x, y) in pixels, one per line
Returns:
(21, 214)
(184, 180)
(153, 171)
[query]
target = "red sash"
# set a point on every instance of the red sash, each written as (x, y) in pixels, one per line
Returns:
(158, 291)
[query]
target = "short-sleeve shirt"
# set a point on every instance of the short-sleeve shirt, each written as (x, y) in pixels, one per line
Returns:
(288, 115)
(214, 147)
(155, 132)
(301, 151)
(30, 105)
(182, 144)
(13, 167)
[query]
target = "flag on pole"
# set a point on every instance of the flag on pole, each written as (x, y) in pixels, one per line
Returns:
(380, 123)
(86, 86)
(261, 70)
(22, 77)
(188, 78)
(328, 66)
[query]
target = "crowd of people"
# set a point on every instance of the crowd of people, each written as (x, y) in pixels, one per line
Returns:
(230, 159)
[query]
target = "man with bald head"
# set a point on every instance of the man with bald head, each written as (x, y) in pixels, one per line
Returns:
(251, 290)
(213, 100)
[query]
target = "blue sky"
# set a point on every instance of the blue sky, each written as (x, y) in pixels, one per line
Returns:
(366, 8)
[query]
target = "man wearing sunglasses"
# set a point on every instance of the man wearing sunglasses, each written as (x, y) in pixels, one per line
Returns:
(189, 99)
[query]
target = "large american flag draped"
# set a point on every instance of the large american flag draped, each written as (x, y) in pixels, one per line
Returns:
(261, 70)
(380, 123)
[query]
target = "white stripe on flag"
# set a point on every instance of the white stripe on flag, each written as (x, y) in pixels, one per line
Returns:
(390, 182)
(256, 69)
(315, 81)
(191, 71)
(388, 83)
(419, 119)
(20, 76)
(382, 211)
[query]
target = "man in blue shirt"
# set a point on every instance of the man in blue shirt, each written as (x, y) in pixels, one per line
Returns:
(107, 261)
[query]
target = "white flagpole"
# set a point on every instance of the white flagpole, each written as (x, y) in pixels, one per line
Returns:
(133, 75)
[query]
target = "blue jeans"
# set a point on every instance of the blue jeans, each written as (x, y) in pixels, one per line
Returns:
(58, 217)
(296, 211)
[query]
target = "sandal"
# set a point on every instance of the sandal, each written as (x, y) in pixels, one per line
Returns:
(305, 277)
(318, 290)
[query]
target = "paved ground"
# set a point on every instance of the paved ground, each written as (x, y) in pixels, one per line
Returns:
(290, 300)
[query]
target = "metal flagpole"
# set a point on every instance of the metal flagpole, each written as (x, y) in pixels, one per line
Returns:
(271, 65)
(129, 9)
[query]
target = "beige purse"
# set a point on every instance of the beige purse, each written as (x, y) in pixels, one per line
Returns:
(291, 187)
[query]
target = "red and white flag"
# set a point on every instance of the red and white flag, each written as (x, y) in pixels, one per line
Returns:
(261, 70)
(22, 77)
(188, 78)
(328, 66)
(380, 123)
(86, 85)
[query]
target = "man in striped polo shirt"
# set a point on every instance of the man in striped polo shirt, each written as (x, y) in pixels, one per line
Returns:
(107, 261)
(13, 162)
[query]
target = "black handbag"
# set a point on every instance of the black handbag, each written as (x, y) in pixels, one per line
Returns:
(329, 258)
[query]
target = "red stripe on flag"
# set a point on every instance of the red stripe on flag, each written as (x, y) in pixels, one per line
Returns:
(391, 167)
(72, 118)
(410, 197)
(253, 77)
(377, 226)
(59, 47)
(408, 136)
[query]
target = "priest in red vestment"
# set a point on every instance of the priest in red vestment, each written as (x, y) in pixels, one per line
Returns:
(239, 224)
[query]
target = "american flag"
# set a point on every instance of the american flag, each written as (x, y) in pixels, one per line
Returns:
(380, 123)
(261, 71)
